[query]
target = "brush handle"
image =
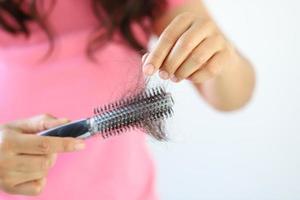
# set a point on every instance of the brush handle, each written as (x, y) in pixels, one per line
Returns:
(73, 129)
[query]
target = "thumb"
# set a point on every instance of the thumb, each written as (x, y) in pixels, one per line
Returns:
(39, 123)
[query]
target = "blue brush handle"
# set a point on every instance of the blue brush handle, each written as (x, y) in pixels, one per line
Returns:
(72, 129)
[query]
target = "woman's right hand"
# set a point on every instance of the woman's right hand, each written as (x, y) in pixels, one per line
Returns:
(25, 157)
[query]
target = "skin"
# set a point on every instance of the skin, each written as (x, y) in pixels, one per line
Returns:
(25, 158)
(192, 47)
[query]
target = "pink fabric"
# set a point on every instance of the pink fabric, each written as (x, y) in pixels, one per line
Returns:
(69, 85)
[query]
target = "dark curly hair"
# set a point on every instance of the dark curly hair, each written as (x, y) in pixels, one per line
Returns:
(113, 15)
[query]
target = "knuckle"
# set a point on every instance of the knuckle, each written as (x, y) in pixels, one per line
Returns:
(218, 40)
(44, 164)
(42, 121)
(45, 116)
(199, 25)
(187, 16)
(198, 59)
(44, 146)
(42, 124)
(208, 27)
(155, 55)
(212, 70)
(67, 145)
(209, 24)
(168, 38)
(185, 44)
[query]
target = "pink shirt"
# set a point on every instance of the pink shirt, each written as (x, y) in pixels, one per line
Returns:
(69, 85)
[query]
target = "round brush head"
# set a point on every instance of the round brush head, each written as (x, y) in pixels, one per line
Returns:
(146, 110)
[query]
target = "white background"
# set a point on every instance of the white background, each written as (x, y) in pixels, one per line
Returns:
(254, 153)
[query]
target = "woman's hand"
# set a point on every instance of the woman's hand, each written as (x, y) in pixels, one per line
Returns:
(25, 158)
(190, 48)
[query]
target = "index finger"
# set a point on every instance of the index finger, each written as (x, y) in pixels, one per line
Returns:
(42, 145)
(165, 43)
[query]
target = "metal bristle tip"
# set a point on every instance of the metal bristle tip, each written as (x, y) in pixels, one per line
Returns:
(144, 110)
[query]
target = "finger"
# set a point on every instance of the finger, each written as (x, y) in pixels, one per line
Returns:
(41, 145)
(38, 123)
(21, 177)
(210, 70)
(185, 45)
(198, 58)
(31, 188)
(30, 163)
(165, 42)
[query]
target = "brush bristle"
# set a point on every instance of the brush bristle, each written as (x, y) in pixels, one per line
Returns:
(147, 110)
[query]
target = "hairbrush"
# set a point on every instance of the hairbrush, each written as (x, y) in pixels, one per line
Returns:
(147, 110)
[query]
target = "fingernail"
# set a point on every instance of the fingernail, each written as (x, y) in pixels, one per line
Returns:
(79, 146)
(144, 57)
(148, 69)
(174, 79)
(164, 75)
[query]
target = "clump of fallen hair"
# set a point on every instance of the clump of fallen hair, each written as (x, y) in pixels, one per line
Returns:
(154, 128)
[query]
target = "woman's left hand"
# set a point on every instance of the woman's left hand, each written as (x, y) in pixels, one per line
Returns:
(190, 48)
